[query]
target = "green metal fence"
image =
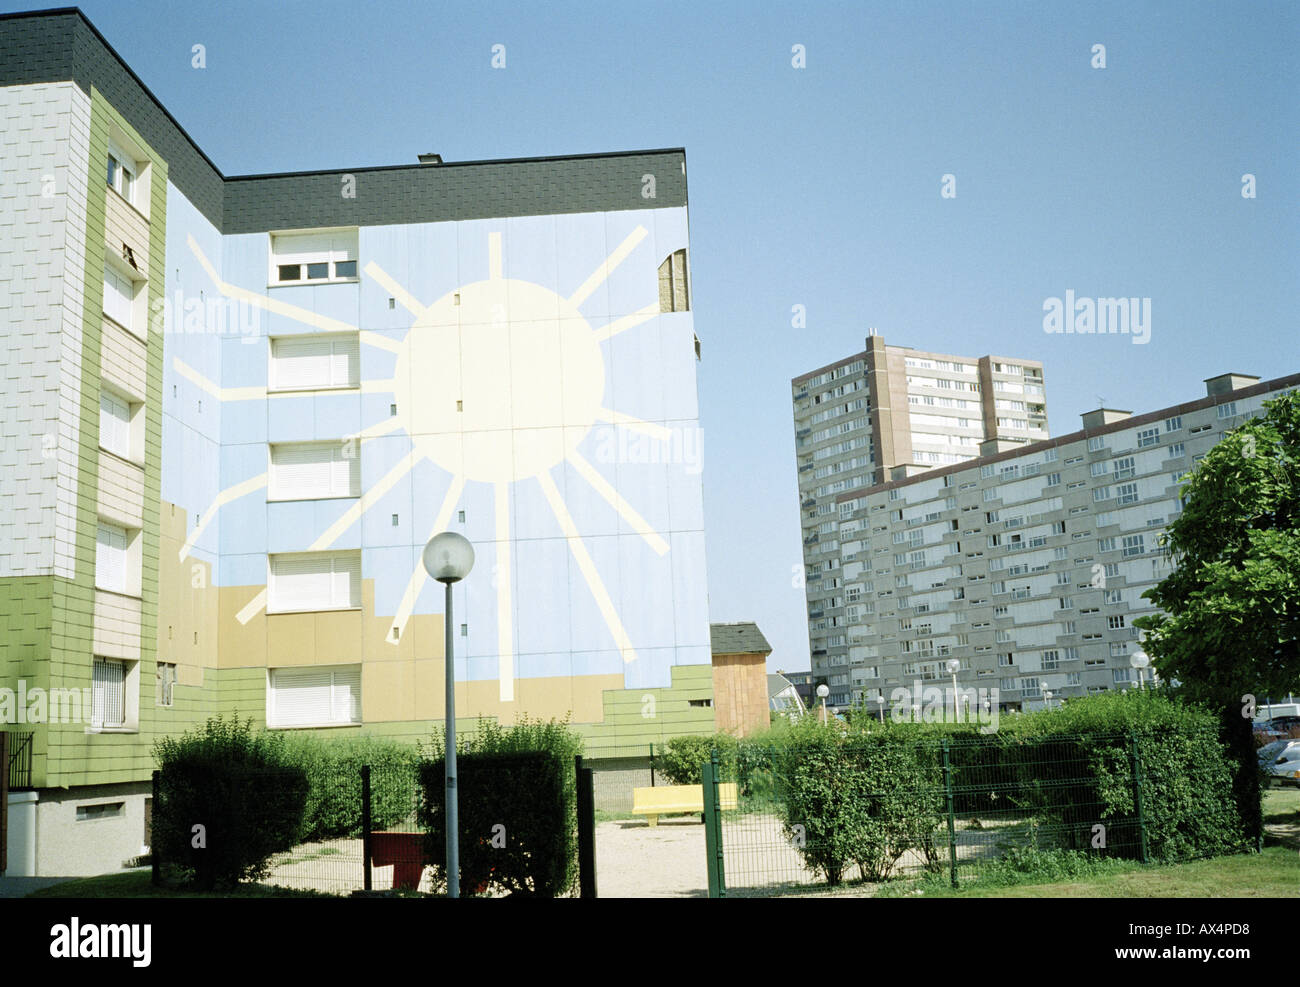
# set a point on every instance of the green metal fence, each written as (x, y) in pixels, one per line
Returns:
(834, 816)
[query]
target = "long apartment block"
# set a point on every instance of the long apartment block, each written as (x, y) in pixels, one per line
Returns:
(236, 407)
(1027, 565)
(886, 413)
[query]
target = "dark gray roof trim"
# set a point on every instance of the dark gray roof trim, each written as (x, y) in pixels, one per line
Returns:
(61, 45)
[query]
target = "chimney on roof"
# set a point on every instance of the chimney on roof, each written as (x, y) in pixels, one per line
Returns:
(1226, 383)
(431, 158)
(1103, 416)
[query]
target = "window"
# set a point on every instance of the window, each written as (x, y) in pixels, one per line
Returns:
(1100, 493)
(1096, 443)
(1127, 493)
(673, 294)
(314, 581)
(166, 683)
(1174, 424)
(1133, 545)
(1115, 623)
(1148, 437)
(1176, 450)
(111, 558)
(119, 298)
(114, 424)
(122, 172)
(100, 810)
(1121, 675)
(314, 362)
(1099, 468)
(1053, 479)
(1106, 544)
(1226, 410)
(306, 697)
(110, 695)
(307, 258)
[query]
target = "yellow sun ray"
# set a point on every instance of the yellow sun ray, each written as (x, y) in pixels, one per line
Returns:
(220, 393)
(419, 576)
(616, 501)
(380, 342)
(626, 322)
(404, 297)
(223, 498)
(636, 424)
(254, 606)
(377, 490)
(599, 275)
(505, 637)
(262, 301)
(588, 567)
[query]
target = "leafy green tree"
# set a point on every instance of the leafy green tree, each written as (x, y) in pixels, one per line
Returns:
(1230, 629)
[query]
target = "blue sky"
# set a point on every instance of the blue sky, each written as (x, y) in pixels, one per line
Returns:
(821, 186)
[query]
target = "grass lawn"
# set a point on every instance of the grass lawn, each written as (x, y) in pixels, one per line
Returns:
(136, 884)
(1275, 873)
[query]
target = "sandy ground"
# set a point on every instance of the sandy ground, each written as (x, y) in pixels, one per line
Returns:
(636, 860)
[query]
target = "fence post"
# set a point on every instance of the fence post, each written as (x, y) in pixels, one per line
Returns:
(585, 780)
(366, 827)
(4, 801)
(1135, 762)
(713, 828)
(652, 765)
(155, 864)
(952, 821)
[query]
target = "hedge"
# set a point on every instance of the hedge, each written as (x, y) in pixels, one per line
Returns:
(333, 769)
(517, 805)
(239, 788)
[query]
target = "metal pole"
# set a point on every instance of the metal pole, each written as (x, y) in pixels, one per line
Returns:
(366, 841)
(453, 841)
(952, 835)
(1136, 763)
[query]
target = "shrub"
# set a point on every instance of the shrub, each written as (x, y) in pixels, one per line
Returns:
(681, 758)
(864, 799)
(517, 804)
(333, 769)
(240, 788)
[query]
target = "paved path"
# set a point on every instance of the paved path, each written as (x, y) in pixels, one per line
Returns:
(21, 887)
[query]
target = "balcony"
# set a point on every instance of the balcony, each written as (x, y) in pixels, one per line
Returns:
(20, 760)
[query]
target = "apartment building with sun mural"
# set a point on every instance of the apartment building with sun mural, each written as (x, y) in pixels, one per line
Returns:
(236, 408)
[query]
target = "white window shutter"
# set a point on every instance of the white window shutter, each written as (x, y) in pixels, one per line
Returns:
(306, 364)
(300, 696)
(118, 294)
(114, 424)
(347, 695)
(110, 558)
(345, 363)
(315, 581)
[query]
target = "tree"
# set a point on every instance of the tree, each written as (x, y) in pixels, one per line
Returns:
(1230, 626)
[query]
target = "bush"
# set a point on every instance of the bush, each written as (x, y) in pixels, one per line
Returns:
(517, 804)
(864, 799)
(682, 757)
(240, 788)
(333, 769)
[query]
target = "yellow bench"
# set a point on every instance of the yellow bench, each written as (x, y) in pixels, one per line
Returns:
(663, 800)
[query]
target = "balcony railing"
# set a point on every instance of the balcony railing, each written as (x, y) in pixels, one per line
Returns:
(20, 760)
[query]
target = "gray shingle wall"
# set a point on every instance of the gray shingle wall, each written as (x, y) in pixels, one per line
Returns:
(53, 47)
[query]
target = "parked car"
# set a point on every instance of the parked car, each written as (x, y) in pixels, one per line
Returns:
(1281, 762)
(1284, 724)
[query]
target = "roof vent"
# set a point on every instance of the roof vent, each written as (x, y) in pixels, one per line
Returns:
(431, 158)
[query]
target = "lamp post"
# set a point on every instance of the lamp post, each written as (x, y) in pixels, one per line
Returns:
(953, 667)
(448, 558)
(1139, 660)
(880, 704)
(822, 692)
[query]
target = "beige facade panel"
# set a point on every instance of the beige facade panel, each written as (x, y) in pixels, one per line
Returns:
(117, 626)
